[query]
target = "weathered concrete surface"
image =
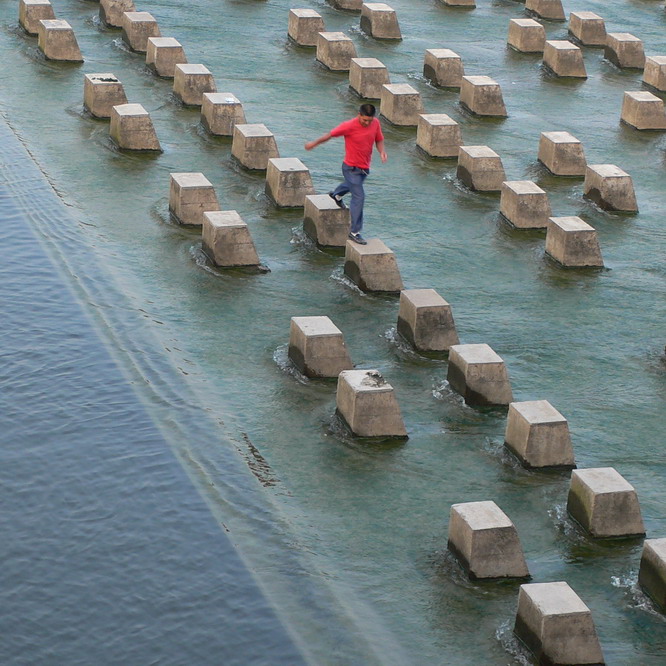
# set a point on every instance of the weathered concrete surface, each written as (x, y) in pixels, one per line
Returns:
(654, 73)
(526, 35)
(624, 50)
(325, 222)
(610, 187)
(163, 54)
(111, 11)
(573, 243)
(562, 154)
(101, 92)
(335, 51)
(547, 9)
(443, 67)
(317, 347)
(137, 27)
(524, 204)
(643, 110)
(221, 112)
(304, 26)
(438, 135)
(288, 182)
(482, 96)
(564, 59)
(367, 76)
(480, 168)
(190, 196)
(253, 145)
(425, 320)
(588, 28)
(372, 267)
(57, 41)
(31, 12)
(190, 82)
(226, 239)
(401, 104)
(132, 128)
(380, 21)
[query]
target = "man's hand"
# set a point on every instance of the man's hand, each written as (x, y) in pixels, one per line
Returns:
(383, 155)
(310, 145)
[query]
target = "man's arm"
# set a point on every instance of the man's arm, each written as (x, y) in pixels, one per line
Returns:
(322, 139)
(381, 151)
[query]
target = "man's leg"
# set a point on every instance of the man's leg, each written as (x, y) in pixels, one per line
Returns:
(344, 186)
(355, 179)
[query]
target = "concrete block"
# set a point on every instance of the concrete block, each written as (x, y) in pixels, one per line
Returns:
(471, 4)
(367, 76)
(425, 320)
(588, 28)
(564, 59)
(347, 5)
(288, 182)
(652, 571)
(573, 243)
(57, 41)
(526, 35)
(443, 68)
(438, 135)
(538, 435)
(555, 624)
(643, 110)
(479, 375)
(546, 9)
(480, 168)
(482, 96)
(190, 196)
(305, 26)
(654, 73)
(137, 27)
(610, 187)
(226, 239)
(111, 11)
(373, 267)
(380, 21)
(190, 82)
(317, 347)
(401, 104)
(163, 54)
(562, 154)
(604, 503)
(524, 204)
(253, 145)
(101, 92)
(367, 403)
(31, 12)
(335, 51)
(485, 541)
(624, 50)
(325, 222)
(132, 128)
(220, 112)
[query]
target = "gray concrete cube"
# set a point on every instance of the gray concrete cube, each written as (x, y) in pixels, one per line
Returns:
(546, 9)
(288, 182)
(654, 73)
(325, 222)
(190, 82)
(380, 21)
(643, 110)
(221, 112)
(562, 154)
(335, 51)
(111, 11)
(101, 92)
(372, 267)
(482, 96)
(190, 196)
(526, 36)
(317, 347)
(367, 76)
(137, 27)
(304, 26)
(163, 54)
(347, 5)
(624, 50)
(226, 239)
(31, 12)
(425, 320)
(610, 187)
(438, 135)
(132, 128)
(480, 168)
(564, 59)
(652, 571)
(524, 204)
(57, 41)
(443, 68)
(573, 243)
(401, 104)
(253, 145)
(588, 28)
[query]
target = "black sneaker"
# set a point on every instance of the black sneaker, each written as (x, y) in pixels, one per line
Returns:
(357, 238)
(338, 200)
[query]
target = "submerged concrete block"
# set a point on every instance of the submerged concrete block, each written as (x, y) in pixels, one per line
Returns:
(367, 76)
(380, 21)
(132, 128)
(401, 104)
(163, 54)
(288, 182)
(438, 135)
(479, 375)
(546, 9)
(253, 145)
(654, 73)
(643, 110)
(226, 239)
(367, 403)
(443, 68)
(538, 435)
(111, 11)
(373, 267)
(562, 154)
(325, 222)
(425, 320)
(190, 196)
(221, 112)
(482, 96)
(555, 624)
(564, 59)
(652, 571)
(31, 12)
(137, 27)
(190, 82)
(57, 41)
(604, 503)
(348, 5)
(573, 243)
(588, 28)
(524, 204)
(305, 26)
(480, 168)
(335, 51)
(460, 3)
(624, 50)
(610, 187)
(485, 541)
(526, 36)
(101, 92)
(317, 347)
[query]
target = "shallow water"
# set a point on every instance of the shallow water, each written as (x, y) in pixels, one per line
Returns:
(347, 539)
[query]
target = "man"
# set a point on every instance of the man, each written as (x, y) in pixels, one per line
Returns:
(361, 134)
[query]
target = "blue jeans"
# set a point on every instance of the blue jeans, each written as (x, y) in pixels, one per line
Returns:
(354, 177)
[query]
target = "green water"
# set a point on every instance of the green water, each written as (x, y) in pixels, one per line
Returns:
(369, 522)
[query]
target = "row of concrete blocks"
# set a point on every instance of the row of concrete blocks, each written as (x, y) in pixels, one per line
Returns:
(55, 37)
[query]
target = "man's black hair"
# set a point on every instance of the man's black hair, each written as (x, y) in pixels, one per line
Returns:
(367, 110)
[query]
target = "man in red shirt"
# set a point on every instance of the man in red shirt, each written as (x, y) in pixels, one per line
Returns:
(361, 134)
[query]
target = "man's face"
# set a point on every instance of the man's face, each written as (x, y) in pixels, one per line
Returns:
(364, 120)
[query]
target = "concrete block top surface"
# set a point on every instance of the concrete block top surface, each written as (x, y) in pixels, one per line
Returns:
(334, 36)
(374, 246)
(165, 42)
(659, 60)
(642, 96)
(478, 151)
(305, 13)
(658, 546)
(554, 598)
(366, 380)
(623, 37)
(480, 80)
(138, 16)
(55, 24)
(602, 480)
(477, 353)
(400, 89)
(523, 187)
(287, 164)
(438, 119)
(562, 45)
(370, 63)
(320, 325)
(442, 53)
(608, 170)
(423, 297)
(191, 179)
(323, 202)
(526, 23)
(253, 130)
(36, 2)
(222, 98)
(482, 515)
(378, 7)
(130, 110)
(560, 137)
(586, 15)
(192, 69)
(224, 218)
(102, 78)
(538, 411)
(571, 223)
